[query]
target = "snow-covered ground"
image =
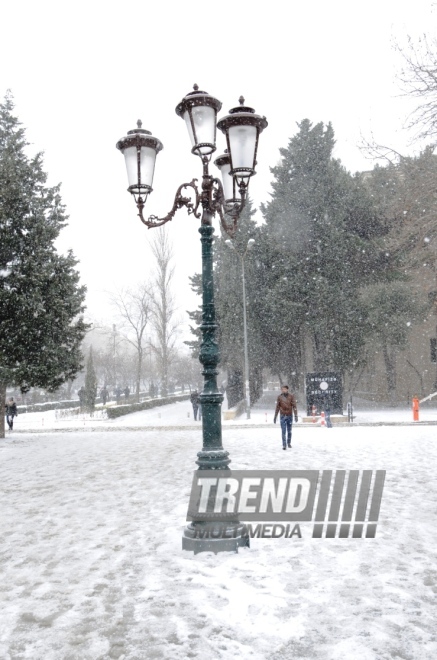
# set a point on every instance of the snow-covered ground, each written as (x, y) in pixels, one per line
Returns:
(92, 566)
(180, 414)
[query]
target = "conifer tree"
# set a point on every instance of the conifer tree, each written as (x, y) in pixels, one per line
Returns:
(229, 302)
(41, 300)
(229, 309)
(319, 248)
(90, 384)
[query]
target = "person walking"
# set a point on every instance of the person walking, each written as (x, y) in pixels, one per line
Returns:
(195, 401)
(81, 394)
(11, 412)
(199, 403)
(327, 408)
(104, 393)
(286, 406)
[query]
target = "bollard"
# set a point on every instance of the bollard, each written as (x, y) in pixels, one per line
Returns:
(322, 419)
(415, 409)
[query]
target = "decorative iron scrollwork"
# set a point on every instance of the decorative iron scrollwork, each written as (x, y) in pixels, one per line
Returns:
(179, 202)
(212, 195)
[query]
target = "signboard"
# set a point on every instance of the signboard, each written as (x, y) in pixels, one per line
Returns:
(324, 389)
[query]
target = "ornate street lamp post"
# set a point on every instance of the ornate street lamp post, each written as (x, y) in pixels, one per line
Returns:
(241, 128)
(250, 244)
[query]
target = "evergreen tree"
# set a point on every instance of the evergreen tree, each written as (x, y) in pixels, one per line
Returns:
(229, 303)
(229, 309)
(392, 313)
(404, 193)
(319, 245)
(90, 384)
(41, 301)
(195, 316)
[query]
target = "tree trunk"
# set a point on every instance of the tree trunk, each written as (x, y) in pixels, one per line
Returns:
(2, 403)
(139, 370)
(320, 353)
(164, 369)
(390, 370)
(419, 375)
(294, 366)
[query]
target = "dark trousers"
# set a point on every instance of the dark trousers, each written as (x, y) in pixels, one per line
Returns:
(10, 421)
(195, 409)
(286, 423)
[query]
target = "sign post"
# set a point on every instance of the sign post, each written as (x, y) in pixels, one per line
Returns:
(321, 385)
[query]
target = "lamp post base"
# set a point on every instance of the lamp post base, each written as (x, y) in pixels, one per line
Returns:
(215, 537)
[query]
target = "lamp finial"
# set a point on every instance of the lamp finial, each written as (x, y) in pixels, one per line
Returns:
(241, 100)
(195, 87)
(139, 123)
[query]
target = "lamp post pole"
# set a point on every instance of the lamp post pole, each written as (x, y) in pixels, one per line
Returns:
(114, 361)
(241, 128)
(246, 356)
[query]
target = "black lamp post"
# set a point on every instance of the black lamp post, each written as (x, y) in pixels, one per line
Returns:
(241, 128)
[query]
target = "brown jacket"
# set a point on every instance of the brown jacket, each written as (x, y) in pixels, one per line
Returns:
(286, 405)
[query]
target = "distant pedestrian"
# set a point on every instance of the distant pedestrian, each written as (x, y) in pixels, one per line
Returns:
(195, 402)
(286, 406)
(117, 393)
(11, 412)
(81, 394)
(104, 394)
(126, 393)
(327, 408)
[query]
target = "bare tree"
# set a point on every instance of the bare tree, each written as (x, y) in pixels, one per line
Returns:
(134, 308)
(419, 80)
(163, 306)
(186, 371)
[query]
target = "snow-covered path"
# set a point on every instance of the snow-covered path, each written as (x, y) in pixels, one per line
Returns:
(92, 566)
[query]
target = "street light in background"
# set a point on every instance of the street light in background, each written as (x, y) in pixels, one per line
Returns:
(250, 244)
(433, 295)
(241, 129)
(114, 360)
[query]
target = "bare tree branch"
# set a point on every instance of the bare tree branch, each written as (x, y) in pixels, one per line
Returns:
(134, 308)
(163, 306)
(373, 151)
(418, 78)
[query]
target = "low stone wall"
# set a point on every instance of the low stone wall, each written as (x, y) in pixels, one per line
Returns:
(335, 419)
(236, 411)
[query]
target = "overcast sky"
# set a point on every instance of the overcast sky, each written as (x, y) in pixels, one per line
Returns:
(82, 73)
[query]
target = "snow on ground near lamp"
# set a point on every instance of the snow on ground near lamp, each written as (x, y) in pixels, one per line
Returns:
(92, 566)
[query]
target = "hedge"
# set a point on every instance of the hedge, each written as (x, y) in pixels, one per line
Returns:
(50, 405)
(126, 409)
(113, 411)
